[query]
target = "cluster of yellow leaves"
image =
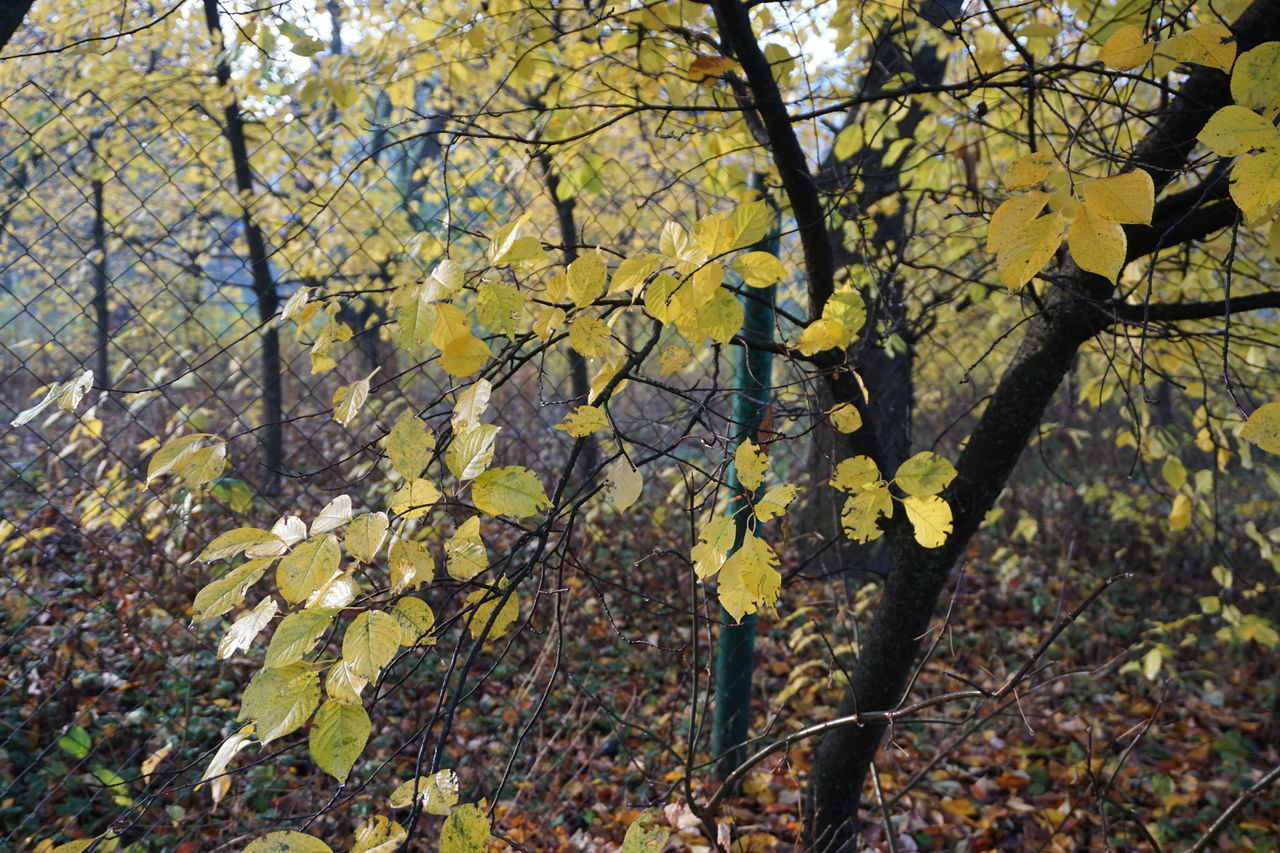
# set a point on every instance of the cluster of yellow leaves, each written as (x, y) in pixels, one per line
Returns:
(1211, 45)
(1247, 130)
(313, 583)
(746, 570)
(921, 478)
(1023, 240)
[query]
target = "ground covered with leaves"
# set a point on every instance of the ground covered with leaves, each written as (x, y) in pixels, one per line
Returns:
(1136, 726)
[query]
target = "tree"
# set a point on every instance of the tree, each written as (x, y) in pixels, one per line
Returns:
(1086, 147)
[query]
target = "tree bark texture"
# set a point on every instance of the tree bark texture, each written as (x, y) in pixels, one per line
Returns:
(12, 14)
(1073, 313)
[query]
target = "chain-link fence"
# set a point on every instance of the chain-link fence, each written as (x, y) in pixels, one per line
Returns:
(126, 250)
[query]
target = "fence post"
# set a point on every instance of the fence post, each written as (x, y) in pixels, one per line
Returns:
(735, 645)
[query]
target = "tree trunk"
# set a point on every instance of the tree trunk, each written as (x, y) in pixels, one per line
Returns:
(264, 285)
(12, 13)
(1073, 313)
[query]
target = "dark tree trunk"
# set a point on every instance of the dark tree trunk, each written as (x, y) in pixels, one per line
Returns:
(579, 382)
(1074, 310)
(102, 318)
(1071, 316)
(264, 285)
(12, 14)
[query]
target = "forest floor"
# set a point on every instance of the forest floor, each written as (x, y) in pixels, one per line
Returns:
(1136, 730)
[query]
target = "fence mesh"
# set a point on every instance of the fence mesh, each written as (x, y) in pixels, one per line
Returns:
(125, 251)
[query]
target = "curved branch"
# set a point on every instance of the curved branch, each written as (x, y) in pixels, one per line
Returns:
(734, 22)
(1172, 312)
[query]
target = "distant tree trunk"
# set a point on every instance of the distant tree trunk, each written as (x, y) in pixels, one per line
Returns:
(264, 286)
(12, 14)
(579, 382)
(102, 318)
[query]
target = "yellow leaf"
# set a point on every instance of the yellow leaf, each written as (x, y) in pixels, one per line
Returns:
(336, 513)
(930, 518)
(365, 535)
(863, 510)
(775, 501)
(855, 474)
(673, 360)
(1263, 428)
(278, 700)
(465, 555)
(1255, 82)
(465, 830)
(586, 279)
(590, 336)
(413, 500)
(349, 400)
(924, 474)
(296, 635)
(585, 420)
(343, 684)
(845, 307)
(1098, 245)
(749, 223)
(1151, 662)
(1027, 251)
(632, 273)
(471, 404)
(759, 269)
(409, 445)
(1125, 50)
(1255, 184)
(464, 355)
(513, 491)
(246, 628)
(1128, 198)
(221, 759)
(845, 417)
(338, 736)
(1235, 130)
(307, 567)
(820, 336)
(623, 483)
(645, 835)
(225, 593)
(1012, 216)
(548, 321)
(490, 604)
(438, 792)
(703, 69)
(1223, 576)
(288, 842)
(370, 642)
(1211, 45)
(719, 318)
(471, 450)
(1173, 472)
(410, 564)
(1029, 170)
(714, 542)
(750, 464)
(1180, 513)
(233, 542)
(849, 140)
(416, 620)
(379, 835)
(749, 579)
